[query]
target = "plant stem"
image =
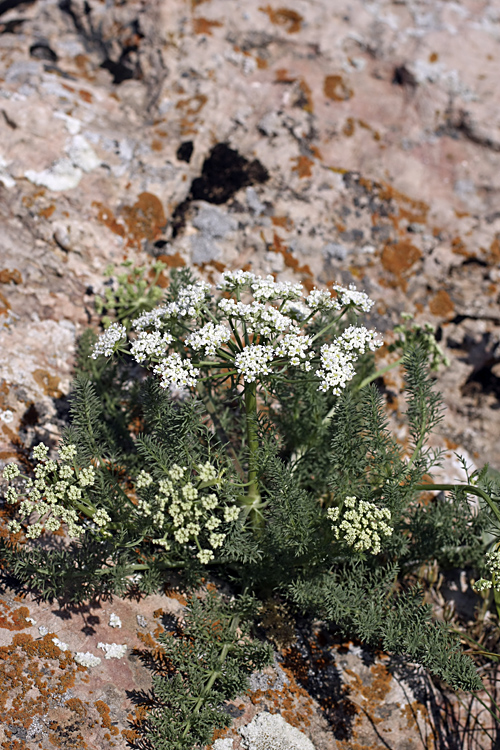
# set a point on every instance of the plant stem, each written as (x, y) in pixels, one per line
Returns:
(235, 620)
(470, 489)
(251, 499)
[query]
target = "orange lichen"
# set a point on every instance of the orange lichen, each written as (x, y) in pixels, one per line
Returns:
(400, 257)
(156, 145)
(145, 220)
(349, 127)
(283, 76)
(193, 105)
(47, 212)
(13, 619)
(47, 382)
(495, 250)
(290, 19)
(433, 57)
(6, 276)
(335, 88)
(174, 594)
(204, 26)
(278, 246)
(86, 96)
(441, 305)
(103, 711)
(105, 216)
(282, 221)
(302, 166)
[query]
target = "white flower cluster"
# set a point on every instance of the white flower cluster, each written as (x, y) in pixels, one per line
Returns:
(362, 524)
(188, 304)
(209, 338)
(232, 280)
(258, 318)
(107, 341)
(269, 332)
(295, 347)
(185, 507)
(262, 289)
(176, 372)
(352, 297)
(56, 486)
(150, 345)
(254, 361)
(482, 585)
(321, 299)
(338, 359)
(493, 565)
(268, 289)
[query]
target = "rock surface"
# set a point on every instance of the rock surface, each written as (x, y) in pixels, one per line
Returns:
(349, 141)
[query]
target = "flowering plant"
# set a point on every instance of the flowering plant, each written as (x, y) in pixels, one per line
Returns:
(198, 338)
(239, 430)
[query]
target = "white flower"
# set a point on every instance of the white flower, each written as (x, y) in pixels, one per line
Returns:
(207, 472)
(351, 296)
(67, 452)
(177, 372)
(107, 341)
(253, 361)
(11, 471)
(362, 524)
(212, 523)
(269, 289)
(191, 298)
(493, 565)
(259, 318)
(100, 517)
(151, 319)
(40, 452)
(321, 299)
(143, 480)
(210, 502)
(52, 524)
(14, 526)
(294, 347)
(205, 555)
(86, 477)
(482, 585)
(216, 540)
(150, 345)
(338, 358)
(231, 513)
(114, 621)
(296, 310)
(232, 280)
(210, 337)
(176, 472)
(11, 495)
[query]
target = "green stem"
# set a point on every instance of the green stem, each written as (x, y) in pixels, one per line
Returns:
(252, 499)
(470, 489)
(213, 675)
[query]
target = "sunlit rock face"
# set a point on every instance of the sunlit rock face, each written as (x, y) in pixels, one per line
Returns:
(321, 142)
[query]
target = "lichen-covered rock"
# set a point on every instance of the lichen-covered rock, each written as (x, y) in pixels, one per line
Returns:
(271, 732)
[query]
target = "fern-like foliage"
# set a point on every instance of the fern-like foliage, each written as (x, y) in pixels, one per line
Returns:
(211, 657)
(359, 601)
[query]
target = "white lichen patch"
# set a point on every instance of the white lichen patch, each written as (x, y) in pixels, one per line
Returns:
(60, 644)
(114, 621)
(272, 732)
(86, 659)
(62, 175)
(113, 650)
